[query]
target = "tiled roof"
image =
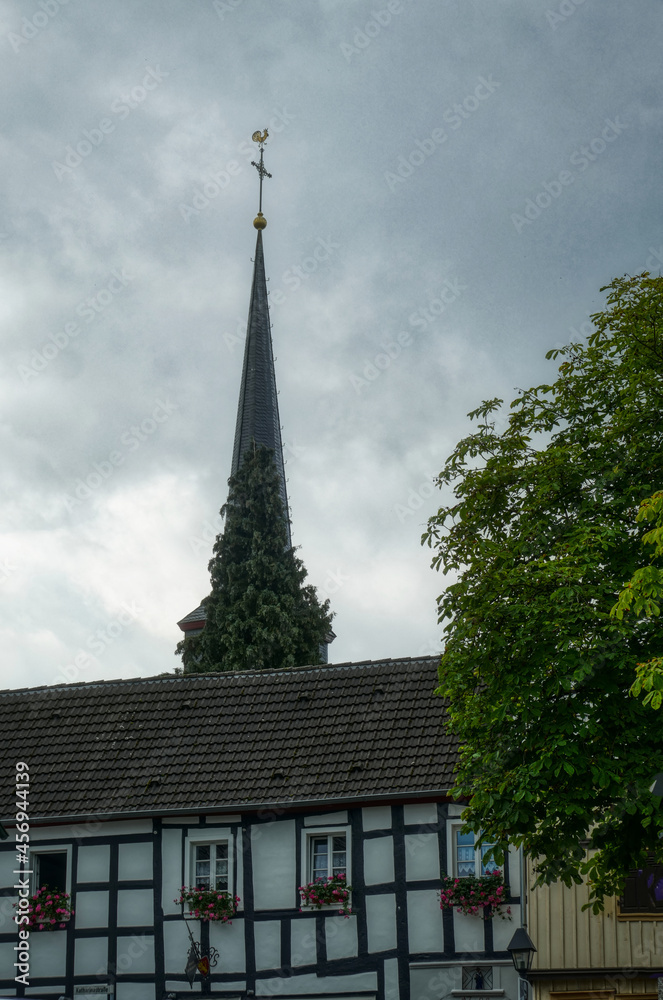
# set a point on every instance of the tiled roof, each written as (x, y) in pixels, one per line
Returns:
(198, 614)
(332, 733)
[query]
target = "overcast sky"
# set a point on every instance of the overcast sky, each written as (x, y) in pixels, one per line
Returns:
(453, 182)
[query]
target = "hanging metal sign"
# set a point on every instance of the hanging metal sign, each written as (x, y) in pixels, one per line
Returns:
(196, 961)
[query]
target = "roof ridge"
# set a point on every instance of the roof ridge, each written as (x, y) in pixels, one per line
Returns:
(217, 674)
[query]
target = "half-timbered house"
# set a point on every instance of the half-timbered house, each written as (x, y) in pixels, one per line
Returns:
(257, 783)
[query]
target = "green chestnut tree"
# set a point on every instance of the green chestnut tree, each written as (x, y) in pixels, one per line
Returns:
(260, 613)
(541, 533)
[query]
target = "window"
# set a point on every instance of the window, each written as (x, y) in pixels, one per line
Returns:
(208, 859)
(50, 867)
(210, 866)
(643, 891)
(468, 859)
(327, 855)
(325, 851)
(477, 977)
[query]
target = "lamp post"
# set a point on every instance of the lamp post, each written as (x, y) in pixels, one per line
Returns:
(522, 951)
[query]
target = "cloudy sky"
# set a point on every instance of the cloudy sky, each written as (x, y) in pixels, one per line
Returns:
(453, 182)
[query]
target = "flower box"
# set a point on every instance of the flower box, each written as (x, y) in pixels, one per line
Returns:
(209, 904)
(49, 910)
(476, 895)
(326, 892)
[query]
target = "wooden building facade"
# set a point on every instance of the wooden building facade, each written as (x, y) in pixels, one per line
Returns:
(586, 956)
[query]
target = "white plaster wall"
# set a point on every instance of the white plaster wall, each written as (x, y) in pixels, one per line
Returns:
(425, 921)
(135, 907)
(421, 813)
(381, 922)
(296, 985)
(48, 950)
(93, 863)
(222, 820)
(91, 827)
(176, 944)
(376, 818)
(133, 991)
(302, 942)
(379, 860)
(468, 932)
(7, 959)
(503, 930)
(454, 810)
(7, 865)
(326, 819)
(134, 861)
(268, 944)
(274, 876)
(171, 860)
(91, 908)
(341, 937)
(391, 987)
(422, 858)
(514, 870)
(90, 957)
(135, 953)
(434, 981)
(241, 839)
(7, 925)
(228, 939)
(238, 987)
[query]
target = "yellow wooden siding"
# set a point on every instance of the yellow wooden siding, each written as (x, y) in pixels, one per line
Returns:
(566, 937)
(583, 988)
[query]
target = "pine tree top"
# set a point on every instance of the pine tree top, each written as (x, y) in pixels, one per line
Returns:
(260, 613)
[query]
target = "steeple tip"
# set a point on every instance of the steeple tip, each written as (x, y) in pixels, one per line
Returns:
(260, 221)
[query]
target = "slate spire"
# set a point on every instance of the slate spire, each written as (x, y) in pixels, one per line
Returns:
(258, 408)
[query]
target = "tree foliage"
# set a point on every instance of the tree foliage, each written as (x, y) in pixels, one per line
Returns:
(642, 596)
(260, 614)
(542, 536)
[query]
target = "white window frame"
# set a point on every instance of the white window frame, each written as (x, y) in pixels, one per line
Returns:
(454, 828)
(49, 849)
(309, 833)
(202, 837)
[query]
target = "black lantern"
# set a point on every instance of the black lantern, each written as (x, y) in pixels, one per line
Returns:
(522, 951)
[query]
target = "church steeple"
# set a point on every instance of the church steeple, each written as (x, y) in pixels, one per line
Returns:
(258, 425)
(258, 408)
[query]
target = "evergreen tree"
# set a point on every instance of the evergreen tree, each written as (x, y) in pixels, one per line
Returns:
(260, 614)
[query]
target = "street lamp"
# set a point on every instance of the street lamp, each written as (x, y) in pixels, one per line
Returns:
(522, 951)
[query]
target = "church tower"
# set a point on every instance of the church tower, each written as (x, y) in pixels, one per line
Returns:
(257, 410)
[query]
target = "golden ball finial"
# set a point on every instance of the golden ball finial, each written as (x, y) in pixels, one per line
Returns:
(260, 221)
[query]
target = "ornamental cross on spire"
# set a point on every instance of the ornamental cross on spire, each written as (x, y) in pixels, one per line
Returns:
(260, 137)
